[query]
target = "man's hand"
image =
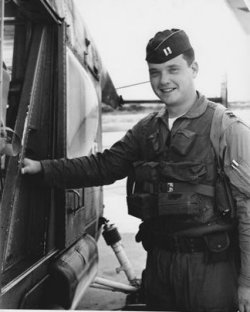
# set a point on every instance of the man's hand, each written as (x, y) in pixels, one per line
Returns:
(244, 299)
(31, 166)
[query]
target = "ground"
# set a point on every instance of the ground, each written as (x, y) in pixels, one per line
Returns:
(96, 299)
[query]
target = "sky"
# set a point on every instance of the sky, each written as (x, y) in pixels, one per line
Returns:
(122, 28)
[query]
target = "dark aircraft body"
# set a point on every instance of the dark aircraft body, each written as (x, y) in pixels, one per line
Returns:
(53, 86)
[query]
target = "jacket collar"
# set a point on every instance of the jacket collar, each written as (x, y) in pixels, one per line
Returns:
(197, 109)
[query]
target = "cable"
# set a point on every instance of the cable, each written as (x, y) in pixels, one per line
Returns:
(132, 85)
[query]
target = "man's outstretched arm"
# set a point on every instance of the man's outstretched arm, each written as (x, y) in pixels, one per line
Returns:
(94, 170)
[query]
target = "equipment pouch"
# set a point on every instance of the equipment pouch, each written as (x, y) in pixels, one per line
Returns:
(146, 171)
(217, 242)
(185, 171)
(179, 203)
(217, 245)
(140, 205)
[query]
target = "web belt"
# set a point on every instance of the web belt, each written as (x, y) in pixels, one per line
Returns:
(168, 187)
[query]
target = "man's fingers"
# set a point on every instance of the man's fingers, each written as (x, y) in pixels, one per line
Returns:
(24, 164)
(26, 161)
(244, 308)
(241, 308)
(31, 166)
(28, 166)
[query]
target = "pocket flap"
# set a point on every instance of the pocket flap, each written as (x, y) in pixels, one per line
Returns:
(217, 242)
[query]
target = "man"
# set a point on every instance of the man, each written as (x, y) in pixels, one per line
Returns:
(190, 229)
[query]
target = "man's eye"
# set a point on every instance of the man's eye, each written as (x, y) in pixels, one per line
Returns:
(174, 70)
(153, 74)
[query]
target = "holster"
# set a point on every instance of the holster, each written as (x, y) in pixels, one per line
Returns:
(223, 195)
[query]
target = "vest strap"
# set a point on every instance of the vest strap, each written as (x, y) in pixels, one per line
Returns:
(203, 189)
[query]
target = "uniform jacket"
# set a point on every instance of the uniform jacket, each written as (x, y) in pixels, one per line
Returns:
(146, 141)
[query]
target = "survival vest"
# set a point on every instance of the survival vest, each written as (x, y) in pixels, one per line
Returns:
(189, 183)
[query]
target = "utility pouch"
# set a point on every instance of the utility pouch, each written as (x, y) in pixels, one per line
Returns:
(176, 203)
(145, 205)
(146, 171)
(142, 205)
(217, 246)
(185, 171)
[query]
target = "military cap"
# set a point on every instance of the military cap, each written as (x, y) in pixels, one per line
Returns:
(166, 45)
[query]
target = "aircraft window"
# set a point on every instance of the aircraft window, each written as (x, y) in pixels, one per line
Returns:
(82, 139)
(8, 45)
(82, 109)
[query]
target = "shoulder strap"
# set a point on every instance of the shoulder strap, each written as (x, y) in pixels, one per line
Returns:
(222, 119)
(216, 130)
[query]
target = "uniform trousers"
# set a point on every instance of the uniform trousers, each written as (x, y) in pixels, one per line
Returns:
(188, 282)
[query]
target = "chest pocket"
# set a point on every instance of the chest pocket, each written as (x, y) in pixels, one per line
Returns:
(183, 141)
(154, 145)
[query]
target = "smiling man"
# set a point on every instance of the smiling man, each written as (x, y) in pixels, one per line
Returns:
(194, 201)
(172, 75)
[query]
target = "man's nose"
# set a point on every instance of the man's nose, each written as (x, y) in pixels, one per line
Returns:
(165, 78)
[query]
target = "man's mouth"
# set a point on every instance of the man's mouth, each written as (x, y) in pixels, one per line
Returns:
(167, 90)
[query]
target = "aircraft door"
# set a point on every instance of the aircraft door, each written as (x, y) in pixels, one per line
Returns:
(83, 127)
(28, 210)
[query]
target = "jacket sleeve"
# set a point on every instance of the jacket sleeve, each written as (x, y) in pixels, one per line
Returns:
(97, 169)
(236, 150)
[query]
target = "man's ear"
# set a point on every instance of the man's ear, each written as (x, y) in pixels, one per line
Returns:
(195, 68)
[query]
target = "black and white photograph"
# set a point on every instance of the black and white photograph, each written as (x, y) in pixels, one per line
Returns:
(125, 155)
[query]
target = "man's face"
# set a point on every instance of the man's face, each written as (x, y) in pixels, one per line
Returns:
(172, 81)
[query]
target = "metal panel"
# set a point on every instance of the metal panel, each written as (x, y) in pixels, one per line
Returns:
(242, 13)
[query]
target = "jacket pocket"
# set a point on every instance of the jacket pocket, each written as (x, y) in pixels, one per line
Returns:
(153, 144)
(183, 141)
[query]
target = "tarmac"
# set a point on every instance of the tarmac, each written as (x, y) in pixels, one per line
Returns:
(98, 299)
